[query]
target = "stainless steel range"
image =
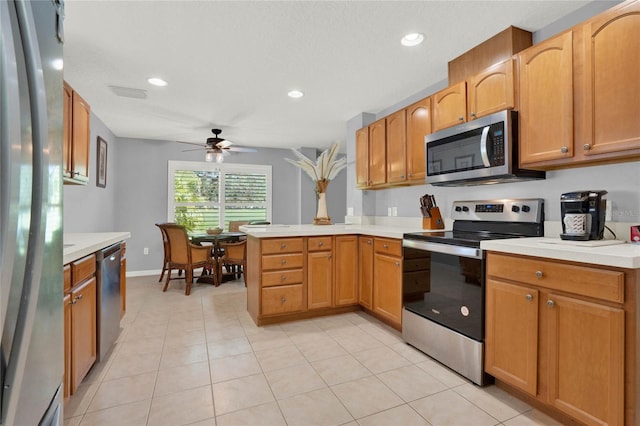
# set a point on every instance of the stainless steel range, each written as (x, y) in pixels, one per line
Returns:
(443, 279)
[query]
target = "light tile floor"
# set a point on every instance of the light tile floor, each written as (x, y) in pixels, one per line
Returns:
(200, 360)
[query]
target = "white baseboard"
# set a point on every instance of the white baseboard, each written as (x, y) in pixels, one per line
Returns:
(144, 273)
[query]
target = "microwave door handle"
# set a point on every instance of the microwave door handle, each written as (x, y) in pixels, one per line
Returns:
(483, 147)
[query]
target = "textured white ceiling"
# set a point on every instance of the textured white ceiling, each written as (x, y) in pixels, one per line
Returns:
(230, 64)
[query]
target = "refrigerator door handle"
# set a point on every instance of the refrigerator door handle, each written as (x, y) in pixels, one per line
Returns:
(35, 249)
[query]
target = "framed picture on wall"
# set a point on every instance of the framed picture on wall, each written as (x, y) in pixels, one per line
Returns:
(101, 167)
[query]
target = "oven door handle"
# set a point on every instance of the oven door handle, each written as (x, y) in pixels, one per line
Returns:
(461, 251)
(483, 147)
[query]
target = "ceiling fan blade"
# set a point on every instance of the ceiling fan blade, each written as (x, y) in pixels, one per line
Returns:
(195, 149)
(190, 143)
(242, 149)
(224, 144)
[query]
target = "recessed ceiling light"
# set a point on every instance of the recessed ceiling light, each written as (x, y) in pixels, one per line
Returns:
(157, 81)
(412, 39)
(295, 94)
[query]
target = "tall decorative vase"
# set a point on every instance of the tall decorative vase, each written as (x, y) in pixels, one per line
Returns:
(322, 217)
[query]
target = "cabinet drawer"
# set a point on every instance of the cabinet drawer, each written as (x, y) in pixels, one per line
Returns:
(580, 280)
(282, 299)
(82, 269)
(319, 243)
(281, 277)
(388, 246)
(66, 272)
(282, 261)
(282, 245)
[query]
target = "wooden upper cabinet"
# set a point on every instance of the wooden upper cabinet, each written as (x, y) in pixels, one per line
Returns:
(396, 144)
(546, 100)
(492, 90)
(362, 157)
(76, 136)
(378, 152)
(418, 126)
(611, 66)
(450, 106)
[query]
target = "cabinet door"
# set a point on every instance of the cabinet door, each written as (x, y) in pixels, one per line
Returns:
(396, 144)
(387, 287)
(377, 152)
(492, 90)
(346, 278)
(362, 157)
(612, 81)
(67, 123)
(450, 106)
(546, 100)
(511, 347)
(80, 136)
(418, 126)
(319, 279)
(586, 360)
(365, 272)
(83, 331)
(67, 346)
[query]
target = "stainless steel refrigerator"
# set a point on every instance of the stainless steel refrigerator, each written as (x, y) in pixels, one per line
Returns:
(31, 309)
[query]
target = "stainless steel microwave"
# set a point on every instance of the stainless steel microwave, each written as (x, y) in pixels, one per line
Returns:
(482, 151)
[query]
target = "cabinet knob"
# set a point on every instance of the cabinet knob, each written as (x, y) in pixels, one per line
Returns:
(410, 174)
(472, 114)
(283, 278)
(283, 261)
(283, 299)
(369, 242)
(539, 274)
(586, 147)
(79, 297)
(550, 303)
(73, 301)
(460, 118)
(320, 244)
(329, 257)
(564, 150)
(397, 263)
(283, 246)
(385, 246)
(529, 297)
(401, 176)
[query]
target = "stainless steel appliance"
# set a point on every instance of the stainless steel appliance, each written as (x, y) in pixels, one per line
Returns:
(108, 283)
(443, 279)
(31, 309)
(583, 215)
(482, 151)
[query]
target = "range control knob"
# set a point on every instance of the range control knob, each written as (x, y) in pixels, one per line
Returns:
(526, 208)
(458, 208)
(465, 208)
(515, 209)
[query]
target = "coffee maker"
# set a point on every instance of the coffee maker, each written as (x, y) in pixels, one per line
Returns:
(583, 214)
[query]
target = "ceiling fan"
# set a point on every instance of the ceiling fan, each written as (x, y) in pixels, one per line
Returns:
(217, 148)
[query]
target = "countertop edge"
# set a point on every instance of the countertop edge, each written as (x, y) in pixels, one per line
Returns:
(84, 244)
(321, 230)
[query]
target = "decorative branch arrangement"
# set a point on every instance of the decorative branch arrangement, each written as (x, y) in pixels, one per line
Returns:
(325, 168)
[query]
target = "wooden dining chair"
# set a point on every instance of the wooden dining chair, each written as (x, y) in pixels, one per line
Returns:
(166, 247)
(234, 225)
(234, 255)
(185, 255)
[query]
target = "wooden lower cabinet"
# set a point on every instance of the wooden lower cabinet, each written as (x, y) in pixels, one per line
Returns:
(83, 331)
(387, 280)
(282, 299)
(319, 279)
(547, 339)
(365, 272)
(346, 270)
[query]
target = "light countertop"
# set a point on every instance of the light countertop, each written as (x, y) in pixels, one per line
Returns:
(79, 245)
(271, 231)
(619, 255)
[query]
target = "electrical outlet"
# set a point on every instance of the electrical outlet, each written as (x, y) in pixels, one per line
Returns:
(145, 250)
(608, 212)
(394, 211)
(388, 211)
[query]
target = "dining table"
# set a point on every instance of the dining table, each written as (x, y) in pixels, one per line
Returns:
(216, 252)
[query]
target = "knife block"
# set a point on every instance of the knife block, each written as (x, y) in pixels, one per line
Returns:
(433, 222)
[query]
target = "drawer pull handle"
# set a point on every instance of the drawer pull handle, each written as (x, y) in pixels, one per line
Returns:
(320, 244)
(539, 274)
(283, 246)
(550, 303)
(529, 297)
(385, 246)
(472, 114)
(564, 150)
(460, 118)
(283, 278)
(283, 261)
(369, 242)
(586, 147)
(283, 299)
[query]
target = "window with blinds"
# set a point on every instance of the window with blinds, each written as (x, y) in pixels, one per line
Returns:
(210, 195)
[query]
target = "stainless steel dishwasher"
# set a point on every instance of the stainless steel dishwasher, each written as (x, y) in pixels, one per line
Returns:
(108, 303)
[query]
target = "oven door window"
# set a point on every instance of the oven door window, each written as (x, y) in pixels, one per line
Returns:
(445, 288)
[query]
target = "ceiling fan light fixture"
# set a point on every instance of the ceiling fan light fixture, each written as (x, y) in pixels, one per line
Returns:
(219, 157)
(295, 94)
(412, 39)
(156, 81)
(208, 157)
